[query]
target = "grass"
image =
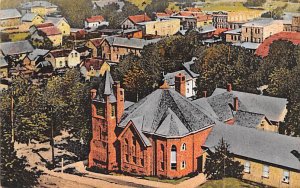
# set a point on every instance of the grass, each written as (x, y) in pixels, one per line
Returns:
(225, 6)
(171, 181)
(291, 7)
(140, 3)
(173, 6)
(229, 183)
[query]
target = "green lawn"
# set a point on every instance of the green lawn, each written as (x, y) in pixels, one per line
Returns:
(229, 183)
(225, 6)
(292, 7)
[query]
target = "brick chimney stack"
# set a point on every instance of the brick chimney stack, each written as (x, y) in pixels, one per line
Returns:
(236, 104)
(180, 84)
(229, 87)
(119, 93)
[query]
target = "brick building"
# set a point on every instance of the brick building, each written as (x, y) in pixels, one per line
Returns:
(167, 135)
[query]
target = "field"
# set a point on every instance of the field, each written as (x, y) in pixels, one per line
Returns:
(292, 7)
(229, 183)
(140, 3)
(225, 6)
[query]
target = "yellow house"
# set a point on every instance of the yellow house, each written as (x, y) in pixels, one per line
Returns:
(10, 17)
(32, 19)
(95, 45)
(268, 158)
(52, 33)
(93, 68)
(61, 23)
(3, 68)
(41, 8)
(164, 27)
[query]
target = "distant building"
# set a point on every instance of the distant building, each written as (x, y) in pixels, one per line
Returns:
(63, 58)
(95, 22)
(40, 32)
(233, 36)
(61, 23)
(258, 30)
(192, 20)
(16, 51)
(10, 17)
(237, 19)
(132, 21)
(95, 46)
(35, 57)
(3, 68)
(296, 23)
(93, 67)
(41, 8)
(32, 19)
(220, 19)
(163, 27)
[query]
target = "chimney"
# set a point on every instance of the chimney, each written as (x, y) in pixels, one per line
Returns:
(204, 94)
(236, 104)
(119, 93)
(93, 93)
(180, 84)
(229, 87)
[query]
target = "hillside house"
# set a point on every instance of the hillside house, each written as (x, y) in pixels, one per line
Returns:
(95, 22)
(132, 21)
(32, 19)
(41, 8)
(10, 17)
(63, 58)
(163, 27)
(61, 23)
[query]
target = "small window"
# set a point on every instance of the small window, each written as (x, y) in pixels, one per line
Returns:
(100, 110)
(183, 147)
(183, 165)
(76, 55)
(134, 159)
(173, 158)
(265, 171)
(286, 176)
(142, 162)
(113, 110)
(60, 64)
(247, 167)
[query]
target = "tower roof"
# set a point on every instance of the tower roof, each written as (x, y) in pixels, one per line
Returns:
(105, 88)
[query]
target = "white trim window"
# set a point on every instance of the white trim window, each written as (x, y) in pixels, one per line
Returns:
(183, 147)
(247, 167)
(286, 176)
(265, 171)
(173, 158)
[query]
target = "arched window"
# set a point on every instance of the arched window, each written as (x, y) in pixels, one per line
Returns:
(162, 164)
(126, 150)
(173, 158)
(183, 165)
(183, 147)
(134, 150)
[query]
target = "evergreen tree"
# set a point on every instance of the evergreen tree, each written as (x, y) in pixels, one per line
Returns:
(221, 163)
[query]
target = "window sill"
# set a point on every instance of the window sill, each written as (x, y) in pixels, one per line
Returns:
(265, 177)
(285, 182)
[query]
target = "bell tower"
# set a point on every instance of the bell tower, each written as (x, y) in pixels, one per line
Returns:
(107, 109)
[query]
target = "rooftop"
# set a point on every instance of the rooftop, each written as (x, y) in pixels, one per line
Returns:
(97, 41)
(3, 62)
(139, 18)
(9, 13)
(37, 53)
(53, 30)
(132, 42)
(45, 4)
(95, 19)
(28, 17)
(260, 22)
(14, 48)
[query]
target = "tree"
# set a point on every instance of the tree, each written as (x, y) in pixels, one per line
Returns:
(156, 6)
(255, 3)
(221, 163)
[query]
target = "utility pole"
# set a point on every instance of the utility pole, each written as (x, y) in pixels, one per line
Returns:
(12, 118)
(52, 137)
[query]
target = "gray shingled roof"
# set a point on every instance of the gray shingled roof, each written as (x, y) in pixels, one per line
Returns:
(9, 13)
(28, 17)
(105, 88)
(13, 48)
(273, 107)
(267, 147)
(170, 77)
(165, 112)
(37, 53)
(45, 4)
(3, 62)
(55, 20)
(259, 22)
(187, 66)
(132, 42)
(248, 119)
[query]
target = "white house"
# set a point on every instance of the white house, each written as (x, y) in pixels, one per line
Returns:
(95, 22)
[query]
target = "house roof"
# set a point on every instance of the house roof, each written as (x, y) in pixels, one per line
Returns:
(9, 13)
(28, 17)
(60, 52)
(14, 48)
(170, 77)
(53, 30)
(247, 45)
(55, 20)
(44, 25)
(139, 18)
(263, 49)
(37, 53)
(95, 19)
(273, 107)
(204, 17)
(192, 9)
(43, 64)
(234, 31)
(187, 66)
(248, 119)
(3, 62)
(97, 41)
(259, 22)
(45, 4)
(168, 114)
(255, 144)
(207, 29)
(130, 43)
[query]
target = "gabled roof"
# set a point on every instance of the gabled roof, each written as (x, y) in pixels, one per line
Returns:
(55, 20)
(139, 18)
(14, 48)
(264, 146)
(95, 63)
(168, 114)
(263, 49)
(130, 43)
(37, 53)
(187, 67)
(248, 119)
(170, 77)
(259, 22)
(60, 53)
(9, 13)
(29, 17)
(53, 30)
(273, 107)
(95, 19)
(42, 25)
(97, 41)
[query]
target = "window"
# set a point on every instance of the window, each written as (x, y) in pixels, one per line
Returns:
(72, 55)
(60, 64)
(126, 150)
(113, 110)
(76, 54)
(162, 164)
(100, 110)
(265, 171)
(173, 158)
(247, 167)
(142, 162)
(183, 165)
(183, 147)
(286, 176)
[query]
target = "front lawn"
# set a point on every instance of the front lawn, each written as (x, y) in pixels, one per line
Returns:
(229, 183)
(172, 181)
